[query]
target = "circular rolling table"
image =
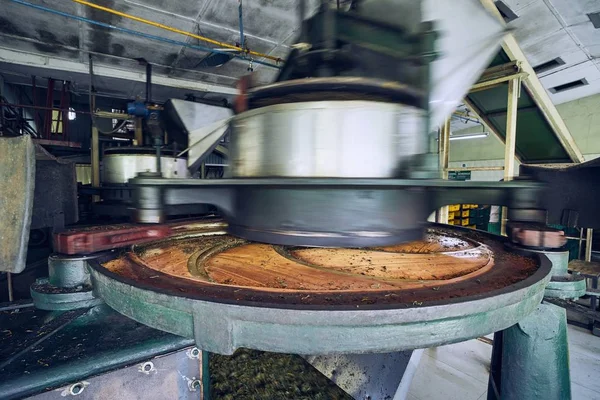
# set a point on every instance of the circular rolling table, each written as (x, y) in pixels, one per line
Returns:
(227, 293)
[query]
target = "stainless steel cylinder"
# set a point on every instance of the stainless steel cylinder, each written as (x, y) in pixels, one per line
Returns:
(319, 139)
(149, 201)
(68, 271)
(119, 168)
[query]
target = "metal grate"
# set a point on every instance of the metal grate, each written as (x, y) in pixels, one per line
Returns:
(505, 11)
(595, 18)
(548, 65)
(568, 86)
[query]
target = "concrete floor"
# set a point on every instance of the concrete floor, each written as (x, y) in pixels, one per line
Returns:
(460, 371)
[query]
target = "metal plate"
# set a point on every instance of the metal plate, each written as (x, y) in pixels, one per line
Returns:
(334, 212)
(48, 349)
(222, 317)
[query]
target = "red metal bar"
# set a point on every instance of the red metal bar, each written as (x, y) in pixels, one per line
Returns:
(99, 238)
(49, 105)
(62, 116)
(36, 114)
(92, 239)
(66, 109)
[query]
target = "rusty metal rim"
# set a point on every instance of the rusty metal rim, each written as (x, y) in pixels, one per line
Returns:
(221, 328)
(184, 288)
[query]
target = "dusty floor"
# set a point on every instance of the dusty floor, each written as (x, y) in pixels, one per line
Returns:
(460, 371)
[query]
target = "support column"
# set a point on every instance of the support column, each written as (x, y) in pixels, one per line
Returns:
(205, 373)
(139, 139)
(444, 150)
(589, 235)
(534, 358)
(514, 89)
(95, 161)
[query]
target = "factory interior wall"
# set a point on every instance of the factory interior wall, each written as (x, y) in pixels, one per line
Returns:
(581, 117)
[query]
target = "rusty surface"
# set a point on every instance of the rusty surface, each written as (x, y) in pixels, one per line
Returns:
(92, 239)
(265, 275)
(536, 235)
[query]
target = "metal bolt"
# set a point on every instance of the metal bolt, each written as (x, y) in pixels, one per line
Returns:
(194, 384)
(146, 367)
(194, 352)
(76, 388)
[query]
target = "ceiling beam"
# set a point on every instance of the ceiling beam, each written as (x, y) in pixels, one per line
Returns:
(12, 56)
(536, 90)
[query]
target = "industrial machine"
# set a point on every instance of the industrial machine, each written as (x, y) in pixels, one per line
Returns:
(324, 250)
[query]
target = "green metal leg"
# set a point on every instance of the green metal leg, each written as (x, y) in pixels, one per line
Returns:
(534, 358)
(205, 375)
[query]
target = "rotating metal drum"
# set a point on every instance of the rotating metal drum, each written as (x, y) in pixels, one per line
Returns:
(228, 293)
(329, 128)
(123, 163)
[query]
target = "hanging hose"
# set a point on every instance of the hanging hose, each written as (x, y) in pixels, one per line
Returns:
(176, 30)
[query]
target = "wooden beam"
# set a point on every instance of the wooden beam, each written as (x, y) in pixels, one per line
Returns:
(511, 136)
(537, 91)
(511, 129)
(444, 148)
(444, 151)
(589, 234)
(503, 69)
(486, 84)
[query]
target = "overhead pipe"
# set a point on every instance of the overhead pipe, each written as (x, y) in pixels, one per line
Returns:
(240, 15)
(136, 33)
(176, 30)
(148, 82)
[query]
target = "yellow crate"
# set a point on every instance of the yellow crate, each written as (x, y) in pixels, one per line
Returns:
(464, 214)
(454, 207)
(464, 222)
(472, 226)
(454, 222)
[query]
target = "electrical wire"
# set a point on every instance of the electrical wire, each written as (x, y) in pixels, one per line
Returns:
(176, 30)
(242, 56)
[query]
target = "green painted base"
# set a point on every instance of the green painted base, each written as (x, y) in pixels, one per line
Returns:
(530, 360)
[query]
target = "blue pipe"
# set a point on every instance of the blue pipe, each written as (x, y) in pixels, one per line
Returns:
(136, 33)
(242, 44)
